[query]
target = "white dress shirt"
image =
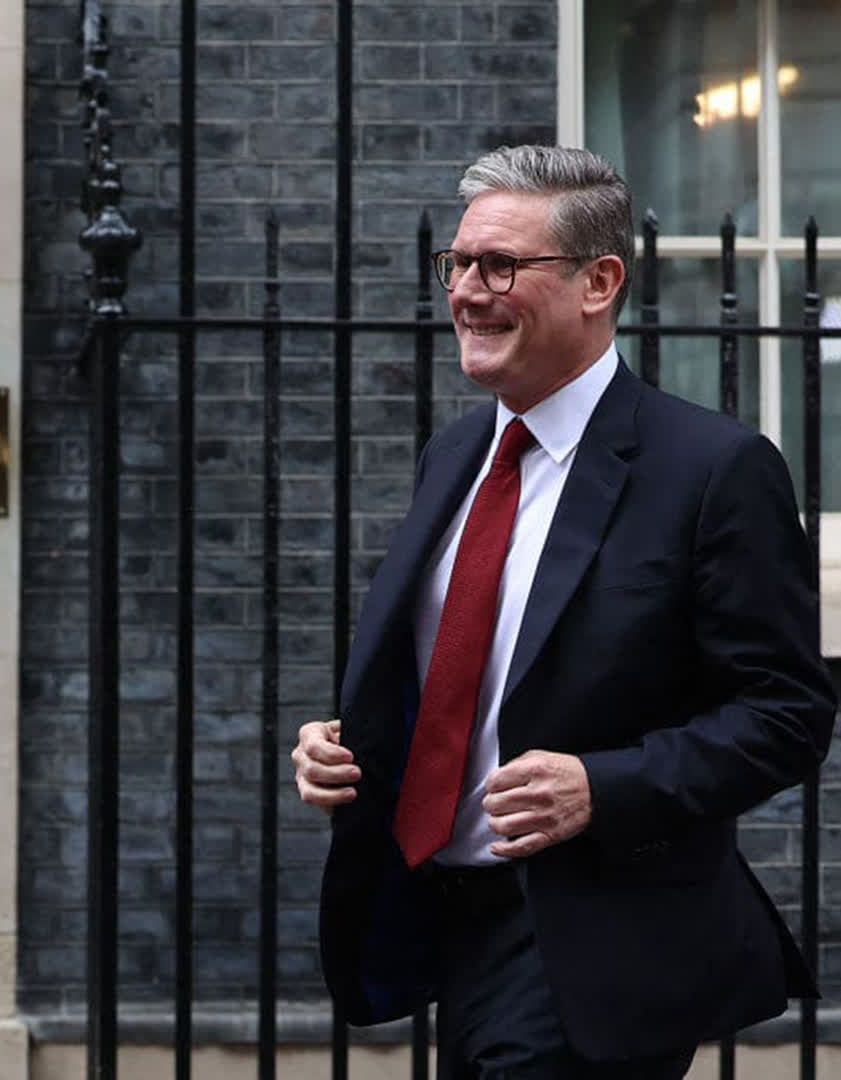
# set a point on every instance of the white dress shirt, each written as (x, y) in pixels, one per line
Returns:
(557, 424)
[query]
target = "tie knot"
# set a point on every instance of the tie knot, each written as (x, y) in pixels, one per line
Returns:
(515, 440)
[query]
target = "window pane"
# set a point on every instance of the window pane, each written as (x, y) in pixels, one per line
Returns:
(829, 283)
(672, 95)
(810, 33)
(690, 292)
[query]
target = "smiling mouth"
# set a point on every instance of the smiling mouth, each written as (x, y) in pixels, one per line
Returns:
(487, 331)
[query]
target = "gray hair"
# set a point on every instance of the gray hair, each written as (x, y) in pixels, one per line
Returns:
(591, 215)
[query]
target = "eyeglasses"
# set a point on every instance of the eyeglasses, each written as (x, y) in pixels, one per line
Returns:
(496, 268)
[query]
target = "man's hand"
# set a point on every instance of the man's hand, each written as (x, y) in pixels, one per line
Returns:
(324, 770)
(537, 799)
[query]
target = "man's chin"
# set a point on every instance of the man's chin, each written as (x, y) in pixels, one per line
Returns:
(483, 366)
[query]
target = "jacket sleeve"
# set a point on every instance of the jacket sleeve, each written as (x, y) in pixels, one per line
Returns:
(756, 628)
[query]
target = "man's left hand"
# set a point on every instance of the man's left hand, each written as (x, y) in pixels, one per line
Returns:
(537, 799)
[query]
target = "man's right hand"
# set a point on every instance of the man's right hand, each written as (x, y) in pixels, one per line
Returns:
(324, 769)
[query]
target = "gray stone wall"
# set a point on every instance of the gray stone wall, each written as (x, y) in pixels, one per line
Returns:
(435, 83)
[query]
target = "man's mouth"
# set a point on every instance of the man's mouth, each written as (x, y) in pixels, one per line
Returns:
(486, 331)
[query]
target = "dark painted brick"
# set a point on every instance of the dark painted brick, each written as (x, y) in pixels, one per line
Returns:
(306, 101)
(378, 532)
(226, 23)
(782, 882)
(42, 61)
(291, 61)
(535, 22)
(132, 23)
(319, 183)
(388, 455)
(292, 141)
(408, 182)
(763, 844)
(388, 62)
(221, 378)
(478, 22)
(415, 101)
(463, 142)
(387, 22)
(220, 140)
(297, 963)
(443, 61)
(390, 300)
(311, 23)
(222, 61)
(383, 142)
(479, 102)
(526, 104)
(309, 218)
(831, 804)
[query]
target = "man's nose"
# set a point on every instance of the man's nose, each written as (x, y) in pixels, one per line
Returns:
(470, 283)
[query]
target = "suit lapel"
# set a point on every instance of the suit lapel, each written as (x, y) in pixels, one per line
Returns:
(581, 518)
(448, 472)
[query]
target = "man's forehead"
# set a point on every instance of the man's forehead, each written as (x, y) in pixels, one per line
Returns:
(501, 217)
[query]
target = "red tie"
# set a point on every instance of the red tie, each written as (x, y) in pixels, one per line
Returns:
(426, 807)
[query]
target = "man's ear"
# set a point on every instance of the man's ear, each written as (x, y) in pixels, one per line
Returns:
(604, 277)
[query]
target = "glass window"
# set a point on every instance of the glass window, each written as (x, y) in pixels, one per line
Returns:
(671, 97)
(690, 292)
(810, 36)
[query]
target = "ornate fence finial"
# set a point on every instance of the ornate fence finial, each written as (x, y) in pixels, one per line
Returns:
(650, 300)
(108, 237)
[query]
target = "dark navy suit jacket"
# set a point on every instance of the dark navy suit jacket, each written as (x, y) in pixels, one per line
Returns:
(670, 640)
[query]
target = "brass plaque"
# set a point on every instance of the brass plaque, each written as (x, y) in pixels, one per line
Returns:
(4, 451)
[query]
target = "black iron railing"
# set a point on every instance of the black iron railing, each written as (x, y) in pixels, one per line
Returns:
(110, 240)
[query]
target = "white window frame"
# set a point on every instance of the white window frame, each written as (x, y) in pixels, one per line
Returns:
(14, 1038)
(768, 247)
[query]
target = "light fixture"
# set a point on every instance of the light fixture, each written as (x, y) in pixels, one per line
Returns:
(729, 100)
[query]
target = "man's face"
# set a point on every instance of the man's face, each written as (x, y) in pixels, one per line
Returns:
(525, 344)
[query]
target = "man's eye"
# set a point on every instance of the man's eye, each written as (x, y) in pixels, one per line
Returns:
(498, 264)
(461, 262)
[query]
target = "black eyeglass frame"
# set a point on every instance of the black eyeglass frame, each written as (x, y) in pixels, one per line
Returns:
(516, 261)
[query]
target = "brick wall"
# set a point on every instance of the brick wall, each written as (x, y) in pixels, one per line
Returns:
(436, 83)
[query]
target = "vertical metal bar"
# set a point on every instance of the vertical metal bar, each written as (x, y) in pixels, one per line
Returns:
(185, 695)
(423, 338)
(187, 158)
(104, 732)
(812, 466)
(650, 306)
(186, 536)
(423, 430)
(729, 343)
(269, 791)
(727, 1058)
(729, 403)
(420, 1044)
(341, 401)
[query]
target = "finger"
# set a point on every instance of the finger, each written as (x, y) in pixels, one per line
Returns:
(515, 773)
(509, 825)
(316, 744)
(326, 798)
(509, 801)
(521, 847)
(327, 775)
(334, 730)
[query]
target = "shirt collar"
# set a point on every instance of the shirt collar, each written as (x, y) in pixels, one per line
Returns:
(558, 421)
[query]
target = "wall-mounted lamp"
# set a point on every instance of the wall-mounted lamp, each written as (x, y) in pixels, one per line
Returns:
(729, 100)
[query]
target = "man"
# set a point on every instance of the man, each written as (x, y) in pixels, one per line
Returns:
(612, 586)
